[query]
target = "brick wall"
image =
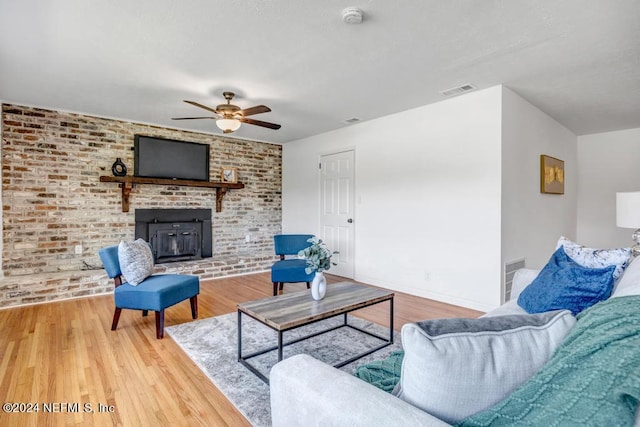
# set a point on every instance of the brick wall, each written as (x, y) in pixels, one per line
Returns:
(53, 202)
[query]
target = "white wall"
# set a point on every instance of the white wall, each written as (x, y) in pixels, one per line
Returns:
(532, 221)
(428, 184)
(609, 163)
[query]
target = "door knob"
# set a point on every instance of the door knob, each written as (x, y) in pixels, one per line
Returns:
(350, 220)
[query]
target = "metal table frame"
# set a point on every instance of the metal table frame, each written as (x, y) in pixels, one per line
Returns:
(281, 344)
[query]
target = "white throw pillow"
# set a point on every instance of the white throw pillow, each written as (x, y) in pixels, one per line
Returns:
(136, 261)
(596, 258)
(521, 279)
(629, 284)
(454, 368)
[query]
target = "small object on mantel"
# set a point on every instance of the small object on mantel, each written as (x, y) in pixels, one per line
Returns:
(127, 183)
(118, 168)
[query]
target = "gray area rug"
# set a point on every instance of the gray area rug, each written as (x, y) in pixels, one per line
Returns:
(212, 344)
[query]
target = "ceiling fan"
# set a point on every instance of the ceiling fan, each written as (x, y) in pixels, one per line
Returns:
(229, 117)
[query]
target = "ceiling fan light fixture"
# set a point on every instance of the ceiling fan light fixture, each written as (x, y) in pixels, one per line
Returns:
(229, 117)
(228, 125)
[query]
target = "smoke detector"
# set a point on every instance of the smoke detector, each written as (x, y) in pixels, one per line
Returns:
(352, 15)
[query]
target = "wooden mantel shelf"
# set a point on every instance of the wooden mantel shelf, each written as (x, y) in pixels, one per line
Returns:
(127, 183)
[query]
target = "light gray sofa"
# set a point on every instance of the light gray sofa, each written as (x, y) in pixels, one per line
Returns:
(307, 392)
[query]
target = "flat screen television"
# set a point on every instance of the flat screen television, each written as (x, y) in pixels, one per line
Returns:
(170, 158)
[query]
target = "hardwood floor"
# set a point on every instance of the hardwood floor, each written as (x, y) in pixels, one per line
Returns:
(64, 355)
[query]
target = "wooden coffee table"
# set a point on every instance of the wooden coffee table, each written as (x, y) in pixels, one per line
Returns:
(290, 311)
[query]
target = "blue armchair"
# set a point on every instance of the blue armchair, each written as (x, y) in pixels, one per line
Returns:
(156, 292)
(290, 270)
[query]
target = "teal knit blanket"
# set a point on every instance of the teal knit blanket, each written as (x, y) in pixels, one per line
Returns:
(384, 374)
(593, 378)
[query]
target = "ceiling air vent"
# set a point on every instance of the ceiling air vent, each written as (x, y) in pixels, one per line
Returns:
(459, 90)
(351, 121)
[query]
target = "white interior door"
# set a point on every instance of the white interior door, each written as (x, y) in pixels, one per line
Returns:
(337, 209)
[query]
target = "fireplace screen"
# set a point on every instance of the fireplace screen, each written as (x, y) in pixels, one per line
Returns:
(178, 241)
(176, 234)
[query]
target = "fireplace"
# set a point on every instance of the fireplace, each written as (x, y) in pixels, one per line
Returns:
(175, 234)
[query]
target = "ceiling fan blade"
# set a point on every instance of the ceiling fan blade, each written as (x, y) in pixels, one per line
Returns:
(201, 106)
(191, 118)
(260, 123)
(255, 110)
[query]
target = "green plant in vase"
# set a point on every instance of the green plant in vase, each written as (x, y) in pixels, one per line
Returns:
(318, 258)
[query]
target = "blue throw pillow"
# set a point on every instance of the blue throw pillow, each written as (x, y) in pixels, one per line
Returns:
(563, 284)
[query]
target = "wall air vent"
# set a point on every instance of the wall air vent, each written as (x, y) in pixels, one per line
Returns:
(459, 90)
(351, 121)
(510, 268)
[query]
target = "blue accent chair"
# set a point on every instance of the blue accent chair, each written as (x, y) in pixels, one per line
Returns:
(156, 292)
(290, 270)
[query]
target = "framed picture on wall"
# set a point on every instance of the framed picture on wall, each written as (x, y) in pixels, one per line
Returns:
(229, 174)
(551, 175)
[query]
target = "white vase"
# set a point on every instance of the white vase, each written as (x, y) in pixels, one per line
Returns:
(318, 286)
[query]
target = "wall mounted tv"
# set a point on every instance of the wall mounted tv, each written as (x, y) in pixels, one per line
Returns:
(169, 158)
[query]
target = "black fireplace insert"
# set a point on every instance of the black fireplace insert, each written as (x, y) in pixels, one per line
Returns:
(176, 234)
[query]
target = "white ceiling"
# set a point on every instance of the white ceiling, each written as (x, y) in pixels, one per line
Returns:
(577, 60)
